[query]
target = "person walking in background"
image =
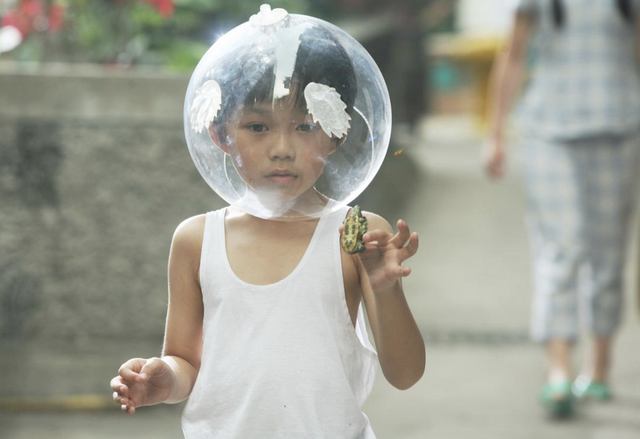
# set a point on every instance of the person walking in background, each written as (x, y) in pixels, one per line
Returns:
(580, 138)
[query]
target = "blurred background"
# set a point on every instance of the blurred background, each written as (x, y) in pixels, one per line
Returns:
(95, 176)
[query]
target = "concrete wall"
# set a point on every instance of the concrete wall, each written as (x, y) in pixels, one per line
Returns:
(94, 177)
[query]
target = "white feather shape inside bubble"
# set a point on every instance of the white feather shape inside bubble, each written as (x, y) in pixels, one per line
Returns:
(326, 107)
(205, 106)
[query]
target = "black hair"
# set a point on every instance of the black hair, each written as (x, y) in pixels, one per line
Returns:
(559, 16)
(248, 76)
(323, 60)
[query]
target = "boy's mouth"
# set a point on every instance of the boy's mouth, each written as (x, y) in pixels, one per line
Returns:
(281, 176)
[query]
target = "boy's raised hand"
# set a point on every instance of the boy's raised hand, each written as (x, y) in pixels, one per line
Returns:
(385, 253)
(142, 382)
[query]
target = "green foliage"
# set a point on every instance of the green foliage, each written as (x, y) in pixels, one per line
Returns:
(130, 32)
(200, 5)
(246, 8)
(240, 9)
(182, 54)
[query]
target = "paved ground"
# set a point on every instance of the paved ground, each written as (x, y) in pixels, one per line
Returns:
(470, 292)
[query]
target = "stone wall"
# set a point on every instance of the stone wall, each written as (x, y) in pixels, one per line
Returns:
(94, 177)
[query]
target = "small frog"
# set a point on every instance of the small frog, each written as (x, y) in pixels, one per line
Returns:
(353, 229)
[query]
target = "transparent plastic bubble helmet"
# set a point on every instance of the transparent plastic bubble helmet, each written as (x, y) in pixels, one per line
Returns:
(287, 116)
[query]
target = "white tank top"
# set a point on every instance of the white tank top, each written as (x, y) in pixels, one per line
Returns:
(281, 360)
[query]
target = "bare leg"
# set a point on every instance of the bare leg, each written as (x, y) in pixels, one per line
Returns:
(593, 383)
(559, 352)
(556, 394)
(601, 360)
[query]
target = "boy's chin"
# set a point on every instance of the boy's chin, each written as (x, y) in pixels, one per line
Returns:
(279, 204)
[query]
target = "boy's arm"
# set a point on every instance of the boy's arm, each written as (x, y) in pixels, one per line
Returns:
(149, 381)
(398, 340)
(183, 333)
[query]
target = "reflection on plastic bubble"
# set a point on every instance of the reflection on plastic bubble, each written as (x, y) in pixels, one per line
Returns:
(287, 116)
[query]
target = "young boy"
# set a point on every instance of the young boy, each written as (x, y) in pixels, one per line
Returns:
(265, 331)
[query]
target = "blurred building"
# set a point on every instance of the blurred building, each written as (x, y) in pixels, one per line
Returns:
(462, 59)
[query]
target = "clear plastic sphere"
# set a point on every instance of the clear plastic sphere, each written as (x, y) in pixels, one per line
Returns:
(287, 116)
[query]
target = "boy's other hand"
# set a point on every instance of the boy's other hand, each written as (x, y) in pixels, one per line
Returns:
(385, 253)
(142, 382)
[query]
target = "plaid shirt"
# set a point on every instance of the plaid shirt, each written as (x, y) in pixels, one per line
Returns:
(586, 75)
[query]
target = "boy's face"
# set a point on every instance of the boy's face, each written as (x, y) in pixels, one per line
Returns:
(277, 149)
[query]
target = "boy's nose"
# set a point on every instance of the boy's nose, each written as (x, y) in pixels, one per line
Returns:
(282, 148)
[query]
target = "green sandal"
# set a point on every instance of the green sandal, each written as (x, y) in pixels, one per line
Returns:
(583, 388)
(557, 398)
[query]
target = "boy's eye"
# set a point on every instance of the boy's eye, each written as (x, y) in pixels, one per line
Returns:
(257, 127)
(307, 127)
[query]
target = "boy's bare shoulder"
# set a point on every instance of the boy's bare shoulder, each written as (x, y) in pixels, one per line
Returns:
(376, 221)
(189, 233)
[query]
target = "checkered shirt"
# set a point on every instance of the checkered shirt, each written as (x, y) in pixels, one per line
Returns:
(586, 75)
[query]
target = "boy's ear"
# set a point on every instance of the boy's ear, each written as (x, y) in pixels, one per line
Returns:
(215, 136)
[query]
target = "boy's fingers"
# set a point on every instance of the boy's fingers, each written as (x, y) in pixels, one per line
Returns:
(408, 251)
(378, 235)
(403, 230)
(118, 387)
(153, 366)
(127, 374)
(120, 399)
(400, 271)
(130, 371)
(116, 384)
(400, 239)
(412, 248)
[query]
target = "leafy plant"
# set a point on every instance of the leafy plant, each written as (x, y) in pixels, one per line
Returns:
(173, 33)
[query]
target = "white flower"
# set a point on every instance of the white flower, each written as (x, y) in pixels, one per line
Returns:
(267, 17)
(326, 107)
(205, 105)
